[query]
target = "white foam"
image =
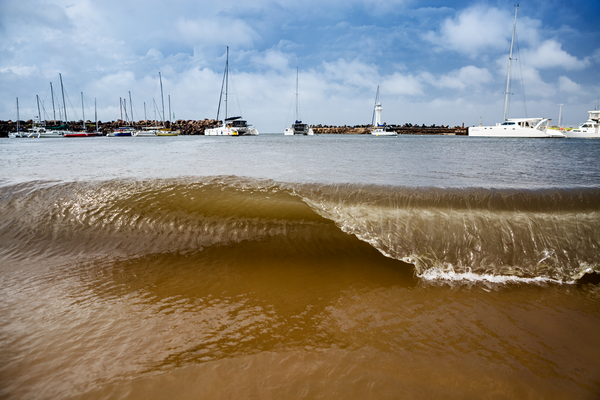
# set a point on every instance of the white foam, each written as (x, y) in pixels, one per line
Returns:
(471, 277)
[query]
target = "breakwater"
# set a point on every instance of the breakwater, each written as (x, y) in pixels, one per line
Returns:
(406, 129)
(197, 127)
(187, 127)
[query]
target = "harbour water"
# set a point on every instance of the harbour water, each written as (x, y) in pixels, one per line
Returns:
(333, 266)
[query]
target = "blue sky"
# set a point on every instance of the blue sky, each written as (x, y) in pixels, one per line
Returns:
(435, 62)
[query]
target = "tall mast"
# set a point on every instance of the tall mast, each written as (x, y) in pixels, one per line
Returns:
(96, 114)
(223, 85)
(121, 107)
(296, 94)
(131, 107)
(155, 107)
(145, 116)
(53, 110)
(18, 118)
(512, 42)
(169, 108)
(62, 89)
(226, 80)
(39, 112)
(162, 98)
(82, 114)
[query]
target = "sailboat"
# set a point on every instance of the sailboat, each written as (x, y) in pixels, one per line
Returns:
(123, 130)
(167, 131)
(83, 132)
(380, 129)
(515, 127)
(57, 131)
(232, 126)
(18, 133)
(298, 128)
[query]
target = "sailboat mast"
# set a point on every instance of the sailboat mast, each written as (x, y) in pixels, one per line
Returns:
(121, 107)
(96, 114)
(162, 98)
(18, 117)
(62, 89)
(82, 114)
(296, 94)
(226, 80)
(169, 108)
(512, 42)
(53, 110)
(145, 116)
(39, 112)
(131, 107)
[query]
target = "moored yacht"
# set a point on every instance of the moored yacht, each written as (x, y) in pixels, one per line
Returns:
(298, 127)
(380, 129)
(232, 126)
(515, 127)
(589, 129)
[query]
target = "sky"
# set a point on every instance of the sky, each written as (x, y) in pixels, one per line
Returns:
(434, 62)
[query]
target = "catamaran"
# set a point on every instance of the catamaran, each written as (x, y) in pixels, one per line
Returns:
(515, 127)
(589, 129)
(380, 129)
(232, 126)
(298, 128)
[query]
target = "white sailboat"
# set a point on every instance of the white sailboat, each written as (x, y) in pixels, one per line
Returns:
(232, 126)
(18, 133)
(380, 129)
(298, 128)
(57, 132)
(589, 129)
(515, 127)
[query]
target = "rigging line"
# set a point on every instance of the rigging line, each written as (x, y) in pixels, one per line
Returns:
(287, 118)
(236, 97)
(521, 73)
(375, 105)
(70, 103)
(496, 76)
(221, 94)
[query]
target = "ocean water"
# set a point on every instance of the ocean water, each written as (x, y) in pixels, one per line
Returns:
(334, 266)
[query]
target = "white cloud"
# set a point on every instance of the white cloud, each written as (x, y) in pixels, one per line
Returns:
(272, 59)
(223, 31)
(567, 85)
(550, 55)
(466, 77)
(473, 31)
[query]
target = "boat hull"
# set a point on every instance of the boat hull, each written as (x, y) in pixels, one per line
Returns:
(292, 132)
(584, 134)
(228, 131)
(382, 132)
(82, 134)
(512, 132)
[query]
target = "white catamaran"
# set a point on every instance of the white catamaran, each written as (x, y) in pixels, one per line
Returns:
(298, 128)
(515, 127)
(232, 126)
(380, 129)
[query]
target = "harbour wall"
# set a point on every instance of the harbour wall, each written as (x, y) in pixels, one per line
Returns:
(197, 127)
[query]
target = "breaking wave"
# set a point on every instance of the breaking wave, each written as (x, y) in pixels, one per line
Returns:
(447, 234)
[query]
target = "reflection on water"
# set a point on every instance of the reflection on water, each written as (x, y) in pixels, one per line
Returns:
(228, 324)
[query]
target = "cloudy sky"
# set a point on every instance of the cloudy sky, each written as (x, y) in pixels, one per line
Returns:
(435, 62)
